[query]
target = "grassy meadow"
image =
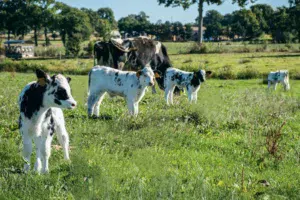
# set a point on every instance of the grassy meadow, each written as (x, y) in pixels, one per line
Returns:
(224, 66)
(224, 147)
(239, 141)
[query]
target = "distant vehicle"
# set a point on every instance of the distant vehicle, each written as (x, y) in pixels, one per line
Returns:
(18, 49)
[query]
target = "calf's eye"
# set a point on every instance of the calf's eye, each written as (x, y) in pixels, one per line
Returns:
(61, 94)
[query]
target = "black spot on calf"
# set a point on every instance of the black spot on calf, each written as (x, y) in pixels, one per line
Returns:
(51, 125)
(32, 100)
(61, 94)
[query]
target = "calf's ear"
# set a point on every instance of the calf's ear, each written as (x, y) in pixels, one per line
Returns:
(69, 79)
(209, 73)
(157, 75)
(40, 73)
(196, 74)
(139, 73)
(42, 77)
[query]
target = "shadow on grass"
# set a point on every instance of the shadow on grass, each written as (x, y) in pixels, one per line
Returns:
(277, 56)
(101, 117)
(56, 58)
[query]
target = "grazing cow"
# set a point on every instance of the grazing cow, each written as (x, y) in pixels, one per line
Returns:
(40, 105)
(277, 77)
(130, 85)
(135, 53)
(189, 80)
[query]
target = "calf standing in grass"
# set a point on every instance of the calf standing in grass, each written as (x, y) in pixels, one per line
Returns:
(130, 85)
(277, 77)
(189, 80)
(40, 105)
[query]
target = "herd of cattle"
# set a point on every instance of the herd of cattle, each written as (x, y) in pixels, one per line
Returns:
(41, 101)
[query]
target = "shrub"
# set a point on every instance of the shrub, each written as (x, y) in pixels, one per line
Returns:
(48, 51)
(294, 74)
(196, 48)
(73, 45)
(89, 48)
(243, 61)
(248, 73)
(226, 72)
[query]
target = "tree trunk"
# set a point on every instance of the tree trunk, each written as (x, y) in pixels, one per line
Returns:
(63, 38)
(8, 35)
(200, 22)
(35, 37)
(45, 33)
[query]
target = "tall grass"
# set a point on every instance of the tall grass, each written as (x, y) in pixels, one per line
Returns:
(228, 47)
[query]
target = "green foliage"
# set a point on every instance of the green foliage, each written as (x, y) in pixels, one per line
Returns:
(73, 45)
(138, 23)
(188, 31)
(107, 14)
(104, 28)
(263, 13)
(72, 21)
(248, 73)
(245, 24)
(212, 21)
(187, 3)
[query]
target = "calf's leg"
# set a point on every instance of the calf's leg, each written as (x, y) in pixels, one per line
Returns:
(46, 151)
(92, 99)
(98, 103)
(63, 138)
(38, 146)
(131, 107)
(171, 95)
(27, 149)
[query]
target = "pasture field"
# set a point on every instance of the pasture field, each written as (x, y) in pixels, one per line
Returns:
(224, 147)
(224, 66)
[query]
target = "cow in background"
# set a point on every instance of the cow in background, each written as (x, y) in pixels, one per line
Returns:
(134, 53)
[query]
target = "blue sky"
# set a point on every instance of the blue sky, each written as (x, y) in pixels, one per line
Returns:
(155, 12)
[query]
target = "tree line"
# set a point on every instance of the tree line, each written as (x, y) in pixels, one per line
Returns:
(282, 23)
(20, 17)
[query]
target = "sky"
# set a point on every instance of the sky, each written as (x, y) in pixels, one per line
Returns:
(123, 8)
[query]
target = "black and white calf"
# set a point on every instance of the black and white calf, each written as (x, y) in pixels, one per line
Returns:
(40, 105)
(189, 80)
(130, 85)
(281, 76)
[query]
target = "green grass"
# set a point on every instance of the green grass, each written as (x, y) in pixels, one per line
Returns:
(215, 149)
(228, 47)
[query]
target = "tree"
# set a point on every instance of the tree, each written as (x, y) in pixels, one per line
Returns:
(71, 22)
(245, 24)
(213, 23)
(263, 13)
(294, 13)
(12, 14)
(35, 20)
(188, 31)
(93, 16)
(226, 23)
(187, 3)
(281, 29)
(108, 14)
(48, 11)
(104, 28)
(138, 23)
(294, 2)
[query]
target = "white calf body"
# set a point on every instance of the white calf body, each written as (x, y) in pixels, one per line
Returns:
(41, 115)
(130, 85)
(182, 79)
(281, 76)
